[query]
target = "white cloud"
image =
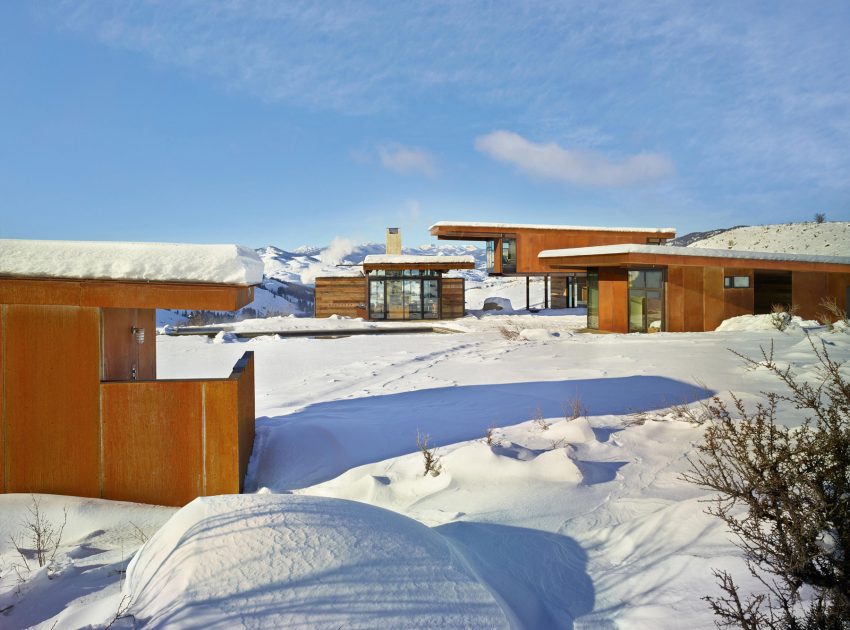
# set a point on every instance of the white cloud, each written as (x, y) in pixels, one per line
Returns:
(401, 159)
(587, 168)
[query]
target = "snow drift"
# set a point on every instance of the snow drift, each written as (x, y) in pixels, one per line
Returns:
(283, 561)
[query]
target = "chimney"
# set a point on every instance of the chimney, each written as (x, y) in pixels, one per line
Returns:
(393, 241)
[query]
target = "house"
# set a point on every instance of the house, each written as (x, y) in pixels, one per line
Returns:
(396, 287)
(81, 409)
(650, 288)
(513, 248)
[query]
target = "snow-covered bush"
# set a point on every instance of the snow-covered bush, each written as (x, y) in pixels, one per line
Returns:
(781, 316)
(794, 488)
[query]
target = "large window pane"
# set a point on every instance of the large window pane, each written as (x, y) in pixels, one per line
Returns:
(592, 299)
(508, 255)
(413, 298)
(395, 299)
(376, 299)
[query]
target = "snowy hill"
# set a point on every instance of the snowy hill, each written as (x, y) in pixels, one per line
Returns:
(828, 238)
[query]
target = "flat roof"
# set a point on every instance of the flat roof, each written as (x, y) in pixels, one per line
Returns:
(406, 259)
(532, 226)
(665, 254)
(130, 261)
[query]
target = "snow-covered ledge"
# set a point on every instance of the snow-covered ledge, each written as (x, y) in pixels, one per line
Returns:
(151, 262)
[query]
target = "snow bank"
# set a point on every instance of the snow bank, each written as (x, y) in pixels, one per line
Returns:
(283, 561)
(830, 238)
(105, 260)
(752, 323)
(496, 303)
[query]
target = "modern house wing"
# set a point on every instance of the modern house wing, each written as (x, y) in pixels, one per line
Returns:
(645, 288)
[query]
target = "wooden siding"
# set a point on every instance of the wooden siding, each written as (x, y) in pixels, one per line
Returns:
(120, 349)
(340, 295)
(808, 288)
(453, 298)
(739, 301)
(51, 374)
(117, 294)
(558, 297)
(167, 442)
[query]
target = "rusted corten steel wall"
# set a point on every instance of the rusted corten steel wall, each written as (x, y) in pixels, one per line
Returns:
(340, 295)
(64, 430)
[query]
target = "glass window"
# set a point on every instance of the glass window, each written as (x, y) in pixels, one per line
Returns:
(376, 299)
(646, 300)
(431, 299)
(736, 282)
(491, 255)
(509, 255)
(592, 298)
(413, 299)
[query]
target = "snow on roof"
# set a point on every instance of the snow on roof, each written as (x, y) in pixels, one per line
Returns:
(152, 262)
(665, 250)
(408, 259)
(515, 226)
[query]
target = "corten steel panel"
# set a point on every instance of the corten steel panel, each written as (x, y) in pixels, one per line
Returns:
(739, 301)
(837, 284)
(153, 441)
(52, 376)
(808, 289)
(674, 311)
(340, 295)
(221, 441)
(453, 298)
(613, 300)
(559, 291)
(247, 414)
(2, 403)
(120, 349)
(118, 294)
(714, 308)
(693, 300)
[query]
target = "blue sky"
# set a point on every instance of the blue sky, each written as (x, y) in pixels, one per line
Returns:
(292, 122)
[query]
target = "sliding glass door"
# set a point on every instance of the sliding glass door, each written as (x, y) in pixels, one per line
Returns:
(404, 295)
(646, 300)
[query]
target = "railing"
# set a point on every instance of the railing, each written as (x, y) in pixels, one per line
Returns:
(169, 441)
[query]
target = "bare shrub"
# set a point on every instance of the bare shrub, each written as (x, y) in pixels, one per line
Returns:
(820, 217)
(489, 436)
(429, 455)
(510, 331)
(139, 534)
(832, 313)
(794, 484)
(539, 420)
(574, 409)
(123, 612)
(43, 536)
(781, 315)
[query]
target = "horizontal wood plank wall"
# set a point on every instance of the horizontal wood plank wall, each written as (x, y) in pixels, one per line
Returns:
(340, 295)
(51, 369)
(714, 307)
(120, 349)
(558, 292)
(453, 298)
(613, 299)
(808, 288)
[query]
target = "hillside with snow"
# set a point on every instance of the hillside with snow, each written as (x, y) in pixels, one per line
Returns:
(831, 238)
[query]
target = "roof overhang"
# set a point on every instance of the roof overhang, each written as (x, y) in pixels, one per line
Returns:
(423, 266)
(664, 256)
(473, 231)
(124, 294)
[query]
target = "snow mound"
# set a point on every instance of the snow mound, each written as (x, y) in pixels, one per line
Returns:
(496, 303)
(153, 262)
(753, 323)
(284, 561)
(538, 334)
